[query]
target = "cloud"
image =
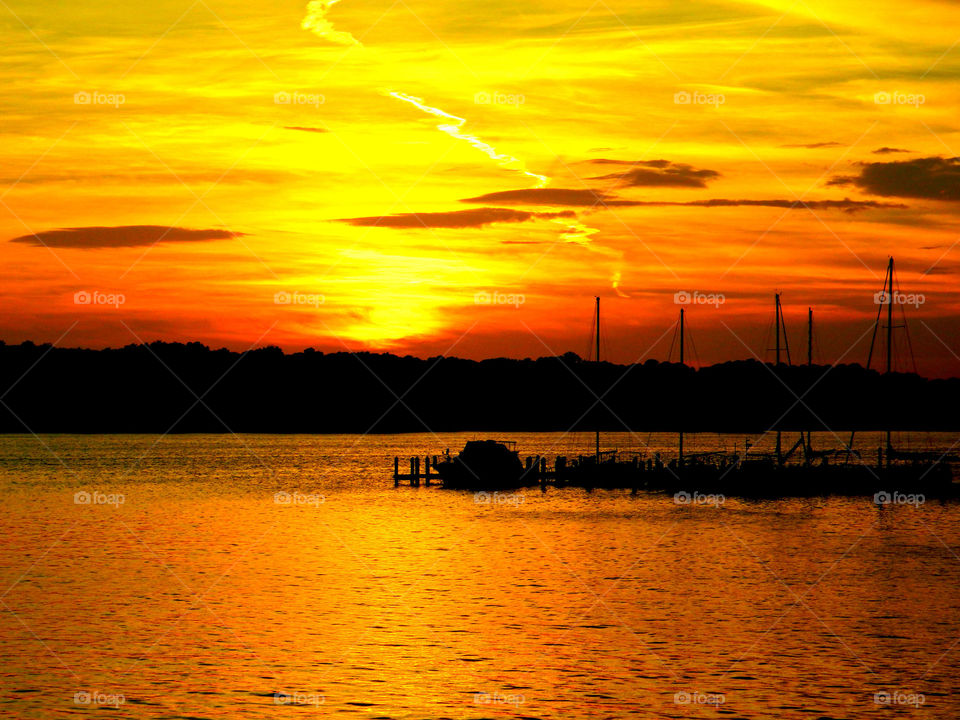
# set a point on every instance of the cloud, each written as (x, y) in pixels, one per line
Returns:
(455, 219)
(317, 23)
(647, 163)
(306, 129)
(658, 173)
(814, 146)
(934, 178)
(133, 176)
(888, 150)
(549, 196)
(590, 198)
(122, 236)
(846, 204)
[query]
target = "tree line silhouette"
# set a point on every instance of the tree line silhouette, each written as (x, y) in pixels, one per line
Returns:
(189, 388)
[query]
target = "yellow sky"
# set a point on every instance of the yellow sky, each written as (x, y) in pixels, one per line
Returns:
(285, 148)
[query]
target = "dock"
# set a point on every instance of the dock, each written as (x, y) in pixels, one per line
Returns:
(537, 469)
(415, 475)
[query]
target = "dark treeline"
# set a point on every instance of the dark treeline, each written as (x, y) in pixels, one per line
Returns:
(151, 389)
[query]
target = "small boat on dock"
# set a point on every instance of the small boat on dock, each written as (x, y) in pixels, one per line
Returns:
(481, 465)
(484, 465)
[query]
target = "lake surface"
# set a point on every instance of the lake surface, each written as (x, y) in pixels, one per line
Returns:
(285, 576)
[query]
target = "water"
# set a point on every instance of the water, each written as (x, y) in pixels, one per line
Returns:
(198, 595)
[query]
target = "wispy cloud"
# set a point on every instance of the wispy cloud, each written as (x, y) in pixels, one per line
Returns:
(814, 146)
(590, 198)
(306, 129)
(549, 196)
(455, 218)
(121, 236)
(658, 173)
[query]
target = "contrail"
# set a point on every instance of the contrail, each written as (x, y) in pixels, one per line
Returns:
(316, 22)
(453, 130)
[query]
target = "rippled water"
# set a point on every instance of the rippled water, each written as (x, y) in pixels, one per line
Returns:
(183, 589)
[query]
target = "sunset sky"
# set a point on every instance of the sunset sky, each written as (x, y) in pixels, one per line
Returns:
(366, 174)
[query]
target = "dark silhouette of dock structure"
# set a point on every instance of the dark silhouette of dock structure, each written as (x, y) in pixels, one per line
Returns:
(484, 464)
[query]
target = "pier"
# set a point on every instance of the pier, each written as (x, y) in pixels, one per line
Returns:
(415, 475)
(536, 468)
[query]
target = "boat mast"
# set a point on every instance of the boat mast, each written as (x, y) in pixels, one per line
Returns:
(680, 457)
(597, 444)
(809, 364)
(777, 310)
(889, 299)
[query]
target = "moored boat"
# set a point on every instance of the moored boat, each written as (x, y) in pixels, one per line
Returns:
(484, 465)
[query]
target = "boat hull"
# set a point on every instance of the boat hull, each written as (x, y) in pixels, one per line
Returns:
(484, 465)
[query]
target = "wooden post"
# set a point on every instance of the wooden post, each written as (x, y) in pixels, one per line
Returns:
(396, 470)
(426, 474)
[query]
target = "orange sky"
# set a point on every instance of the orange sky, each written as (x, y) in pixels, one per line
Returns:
(366, 175)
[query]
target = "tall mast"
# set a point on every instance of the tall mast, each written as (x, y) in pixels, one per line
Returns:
(597, 322)
(680, 460)
(809, 363)
(889, 300)
(777, 309)
(597, 445)
(681, 336)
